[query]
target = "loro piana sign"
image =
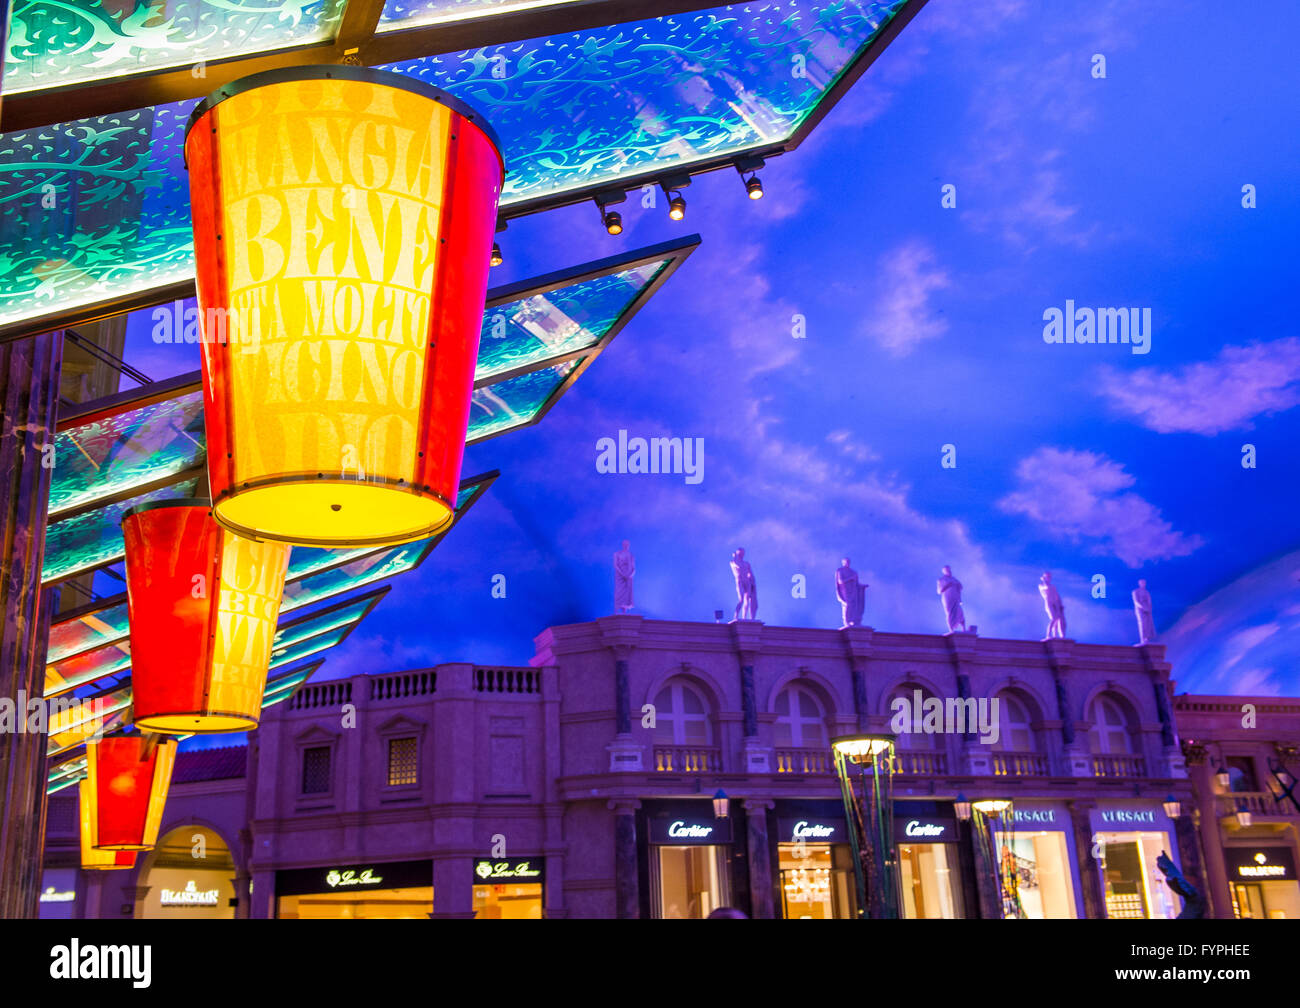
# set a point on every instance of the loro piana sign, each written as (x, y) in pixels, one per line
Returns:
(509, 870)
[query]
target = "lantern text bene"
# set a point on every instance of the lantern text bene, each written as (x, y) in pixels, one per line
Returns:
(343, 220)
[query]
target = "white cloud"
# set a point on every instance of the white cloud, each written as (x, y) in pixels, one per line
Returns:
(1080, 496)
(899, 314)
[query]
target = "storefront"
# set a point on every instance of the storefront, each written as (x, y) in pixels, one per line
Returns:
(1263, 882)
(1128, 838)
(375, 890)
(509, 888)
(689, 858)
(814, 861)
(58, 893)
(1036, 853)
(190, 875)
(930, 873)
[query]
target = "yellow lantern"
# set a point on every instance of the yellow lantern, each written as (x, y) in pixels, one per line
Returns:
(343, 223)
(122, 797)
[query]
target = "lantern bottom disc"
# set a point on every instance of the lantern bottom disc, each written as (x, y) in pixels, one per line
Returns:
(198, 723)
(323, 513)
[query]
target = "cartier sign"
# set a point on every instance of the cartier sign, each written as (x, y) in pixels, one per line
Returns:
(690, 830)
(807, 829)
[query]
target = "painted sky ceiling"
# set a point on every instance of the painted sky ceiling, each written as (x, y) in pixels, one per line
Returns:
(99, 208)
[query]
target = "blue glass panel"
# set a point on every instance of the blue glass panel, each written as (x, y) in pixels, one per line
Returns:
(354, 574)
(57, 42)
(344, 616)
(116, 454)
(412, 13)
(558, 322)
(515, 401)
(312, 645)
(95, 538)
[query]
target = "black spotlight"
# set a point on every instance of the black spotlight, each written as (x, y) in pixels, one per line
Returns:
(496, 260)
(613, 222)
(677, 207)
(754, 186)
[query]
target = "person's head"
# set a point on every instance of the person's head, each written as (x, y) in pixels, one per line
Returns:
(727, 913)
(947, 569)
(844, 562)
(1047, 577)
(1142, 582)
(740, 553)
(626, 544)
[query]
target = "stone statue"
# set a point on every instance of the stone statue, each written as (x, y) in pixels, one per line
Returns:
(949, 590)
(746, 588)
(851, 592)
(1194, 906)
(1142, 609)
(624, 571)
(1054, 606)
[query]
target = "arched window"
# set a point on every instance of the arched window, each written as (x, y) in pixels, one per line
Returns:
(800, 721)
(681, 715)
(907, 721)
(1016, 732)
(1111, 729)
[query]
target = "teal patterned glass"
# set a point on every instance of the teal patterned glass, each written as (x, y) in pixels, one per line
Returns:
(107, 457)
(367, 570)
(93, 209)
(399, 14)
(76, 636)
(514, 402)
(310, 646)
(94, 539)
(53, 43)
(588, 108)
(318, 623)
(573, 110)
(282, 688)
(545, 326)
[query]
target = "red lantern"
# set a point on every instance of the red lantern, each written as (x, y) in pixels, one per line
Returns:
(127, 777)
(343, 223)
(203, 605)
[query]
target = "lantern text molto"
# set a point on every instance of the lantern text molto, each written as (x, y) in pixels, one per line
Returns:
(124, 792)
(343, 223)
(203, 604)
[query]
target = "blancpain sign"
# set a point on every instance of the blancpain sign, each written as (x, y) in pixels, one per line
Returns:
(191, 895)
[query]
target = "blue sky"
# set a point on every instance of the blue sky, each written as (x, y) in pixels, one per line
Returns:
(924, 328)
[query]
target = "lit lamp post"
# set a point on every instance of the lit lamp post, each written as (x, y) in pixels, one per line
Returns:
(203, 604)
(865, 767)
(343, 224)
(1000, 867)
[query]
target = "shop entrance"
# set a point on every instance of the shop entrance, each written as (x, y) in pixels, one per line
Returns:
(929, 880)
(690, 882)
(394, 890)
(191, 875)
(817, 881)
(1134, 886)
(1040, 863)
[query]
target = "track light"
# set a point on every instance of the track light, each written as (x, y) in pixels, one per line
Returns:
(754, 186)
(613, 221)
(677, 207)
(748, 168)
(497, 259)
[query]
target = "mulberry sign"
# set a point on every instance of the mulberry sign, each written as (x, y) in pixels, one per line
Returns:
(1261, 864)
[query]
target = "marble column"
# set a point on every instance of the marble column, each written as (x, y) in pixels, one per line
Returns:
(29, 398)
(627, 883)
(761, 896)
(1094, 902)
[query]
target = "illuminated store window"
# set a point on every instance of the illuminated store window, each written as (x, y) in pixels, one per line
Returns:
(816, 881)
(800, 721)
(508, 902)
(1111, 733)
(691, 882)
(403, 761)
(1040, 860)
(929, 880)
(681, 715)
(1134, 886)
(316, 770)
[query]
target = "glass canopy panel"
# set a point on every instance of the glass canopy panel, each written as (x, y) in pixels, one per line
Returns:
(93, 539)
(516, 401)
(86, 668)
(310, 646)
(366, 570)
(573, 318)
(588, 108)
(400, 14)
(93, 209)
(53, 43)
(76, 636)
(573, 111)
(122, 452)
(345, 616)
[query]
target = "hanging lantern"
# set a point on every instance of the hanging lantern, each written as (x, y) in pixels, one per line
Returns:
(92, 858)
(343, 224)
(203, 604)
(122, 797)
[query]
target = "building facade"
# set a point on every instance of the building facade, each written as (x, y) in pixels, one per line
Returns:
(583, 784)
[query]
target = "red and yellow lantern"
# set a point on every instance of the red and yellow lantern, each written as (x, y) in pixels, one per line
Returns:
(92, 858)
(124, 792)
(203, 604)
(343, 223)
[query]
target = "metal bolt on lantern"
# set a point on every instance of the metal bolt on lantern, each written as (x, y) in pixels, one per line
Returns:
(343, 224)
(203, 604)
(122, 797)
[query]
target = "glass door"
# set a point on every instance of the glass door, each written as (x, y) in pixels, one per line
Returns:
(690, 882)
